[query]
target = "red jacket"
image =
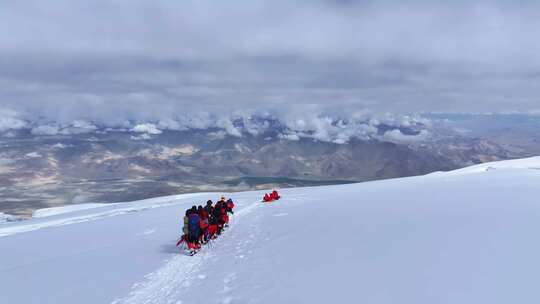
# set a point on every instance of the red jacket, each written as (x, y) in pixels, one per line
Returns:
(203, 223)
(204, 214)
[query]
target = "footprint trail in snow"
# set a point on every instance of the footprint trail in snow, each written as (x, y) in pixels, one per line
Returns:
(171, 283)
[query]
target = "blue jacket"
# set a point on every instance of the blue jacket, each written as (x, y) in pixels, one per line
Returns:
(193, 223)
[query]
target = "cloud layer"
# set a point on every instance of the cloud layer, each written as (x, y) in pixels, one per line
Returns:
(109, 62)
(335, 128)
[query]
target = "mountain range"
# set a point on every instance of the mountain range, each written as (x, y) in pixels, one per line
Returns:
(104, 165)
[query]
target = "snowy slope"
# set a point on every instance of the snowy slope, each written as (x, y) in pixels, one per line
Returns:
(467, 236)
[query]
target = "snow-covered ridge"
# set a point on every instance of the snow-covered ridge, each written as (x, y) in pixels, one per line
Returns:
(67, 215)
(4, 218)
(526, 163)
(531, 163)
(65, 209)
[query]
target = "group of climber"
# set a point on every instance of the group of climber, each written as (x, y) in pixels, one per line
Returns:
(273, 196)
(202, 224)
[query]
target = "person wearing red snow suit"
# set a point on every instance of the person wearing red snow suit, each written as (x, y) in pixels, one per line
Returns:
(218, 215)
(203, 236)
(266, 198)
(274, 195)
(212, 220)
(223, 211)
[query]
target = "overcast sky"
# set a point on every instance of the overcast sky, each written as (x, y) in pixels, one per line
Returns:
(101, 60)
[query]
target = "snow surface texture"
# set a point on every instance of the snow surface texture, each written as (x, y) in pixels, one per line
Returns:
(467, 236)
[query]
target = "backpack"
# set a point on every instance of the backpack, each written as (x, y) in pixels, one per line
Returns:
(185, 227)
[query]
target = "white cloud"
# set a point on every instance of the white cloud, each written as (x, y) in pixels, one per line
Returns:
(9, 120)
(143, 136)
(81, 199)
(340, 126)
(75, 127)
(397, 136)
(228, 126)
(255, 127)
(45, 130)
(78, 127)
(84, 125)
(147, 128)
(170, 124)
(60, 146)
(290, 136)
(217, 135)
(33, 155)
